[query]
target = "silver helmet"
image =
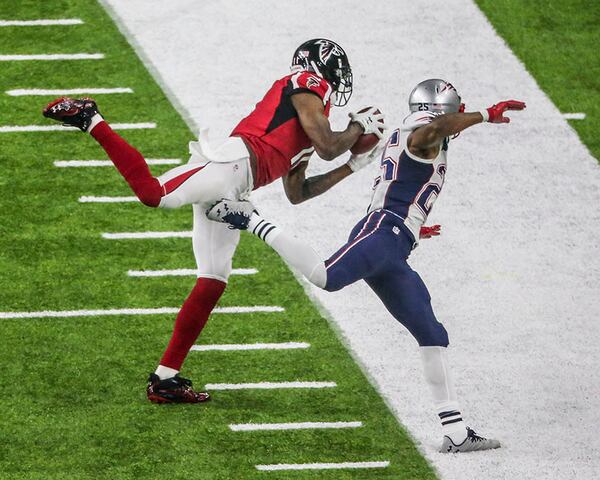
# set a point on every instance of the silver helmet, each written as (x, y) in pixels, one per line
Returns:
(435, 95)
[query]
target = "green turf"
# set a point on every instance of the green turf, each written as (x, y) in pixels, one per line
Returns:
(557, 40)
(73, 403)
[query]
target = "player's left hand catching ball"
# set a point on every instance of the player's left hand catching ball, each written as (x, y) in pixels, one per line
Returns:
(370, 119)
(495, 114)
(356, 162)
(428, 232)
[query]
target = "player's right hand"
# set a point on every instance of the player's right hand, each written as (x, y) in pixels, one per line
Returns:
(357, 162)
(370, 119)
(495, 114)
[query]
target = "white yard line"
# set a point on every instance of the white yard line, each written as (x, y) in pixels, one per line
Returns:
(321, 466)
(250, 346)
(255, 427)
(574, 116)
(60, 128)
(52, 56)
(70, 91)
(145, 235)
(184, 272)
(108, 163)
(132, 311)
(41, 22)
(268, 385)
(91, 199)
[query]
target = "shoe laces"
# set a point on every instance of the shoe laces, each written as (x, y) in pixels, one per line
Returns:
(473, 436)
(184, 382)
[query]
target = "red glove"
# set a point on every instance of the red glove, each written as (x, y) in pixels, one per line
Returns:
(428, 232)
(494, 114)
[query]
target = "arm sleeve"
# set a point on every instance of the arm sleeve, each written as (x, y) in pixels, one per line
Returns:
(307, 82)
(416, 120)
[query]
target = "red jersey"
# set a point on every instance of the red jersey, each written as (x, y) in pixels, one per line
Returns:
(273, 130)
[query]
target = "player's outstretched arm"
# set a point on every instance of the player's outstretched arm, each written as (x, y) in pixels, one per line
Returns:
(298, 188)
(327, 143)
(425, 141)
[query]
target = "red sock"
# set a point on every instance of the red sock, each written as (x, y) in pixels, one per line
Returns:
(130, 163)
(191, 320)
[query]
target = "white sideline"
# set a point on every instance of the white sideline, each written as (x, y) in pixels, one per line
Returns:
(144, 235)
(41, 22)
(60, 128)
(250, 346)
(254, 427)
(132, 311)
(53, 56)
(92, 199)
(574, 116)
(321, 466)
(184, 272)
(70, 91)
(108, 163)
(268, 385)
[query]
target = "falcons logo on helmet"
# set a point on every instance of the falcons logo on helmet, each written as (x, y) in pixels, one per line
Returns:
(327, 49)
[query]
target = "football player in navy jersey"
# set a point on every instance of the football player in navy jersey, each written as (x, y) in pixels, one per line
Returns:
(274, 141)
(413, 167)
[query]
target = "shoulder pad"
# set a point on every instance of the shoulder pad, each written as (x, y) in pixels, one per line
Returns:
(310, 82)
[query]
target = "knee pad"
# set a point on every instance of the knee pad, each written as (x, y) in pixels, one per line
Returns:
(435, 335)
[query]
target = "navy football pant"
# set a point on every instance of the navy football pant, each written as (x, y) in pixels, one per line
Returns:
(376, 252)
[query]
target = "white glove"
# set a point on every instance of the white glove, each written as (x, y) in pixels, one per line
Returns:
(356, 162)
(370, 121)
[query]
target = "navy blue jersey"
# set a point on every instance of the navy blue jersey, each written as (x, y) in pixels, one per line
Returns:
(408, 185)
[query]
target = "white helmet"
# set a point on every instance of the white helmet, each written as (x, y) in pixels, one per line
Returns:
(435, 95)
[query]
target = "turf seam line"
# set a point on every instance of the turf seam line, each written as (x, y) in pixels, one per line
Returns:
(574, 116)
(268, 385)
(184, 272)
(134, 311)
(322, 466)
(250, 346)
(108, 163)
(92, 199)
(255, 427)
(52, 56)
(145, 235)
(42, 22)
(60, 128)
(23, 92)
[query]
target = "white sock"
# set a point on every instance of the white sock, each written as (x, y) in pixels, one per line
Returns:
(96, 119)
(437, 375)
(165, 372)
(293, 251)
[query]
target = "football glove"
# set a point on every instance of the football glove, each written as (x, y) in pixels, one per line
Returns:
(370, 119)
(356, 162)
(428, 232)
(495, 114)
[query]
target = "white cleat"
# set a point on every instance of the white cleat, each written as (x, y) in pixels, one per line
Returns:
(236, 213)
(473, 443)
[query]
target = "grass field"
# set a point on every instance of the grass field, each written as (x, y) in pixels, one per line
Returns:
(558, 43)
(74, 403)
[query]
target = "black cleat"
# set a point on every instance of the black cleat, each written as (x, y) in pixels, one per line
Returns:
(72, 112)
(173, 390)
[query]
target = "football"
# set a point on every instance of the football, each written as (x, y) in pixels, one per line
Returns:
(364, 144)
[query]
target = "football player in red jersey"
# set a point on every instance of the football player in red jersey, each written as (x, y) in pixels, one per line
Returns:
(274, 141)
